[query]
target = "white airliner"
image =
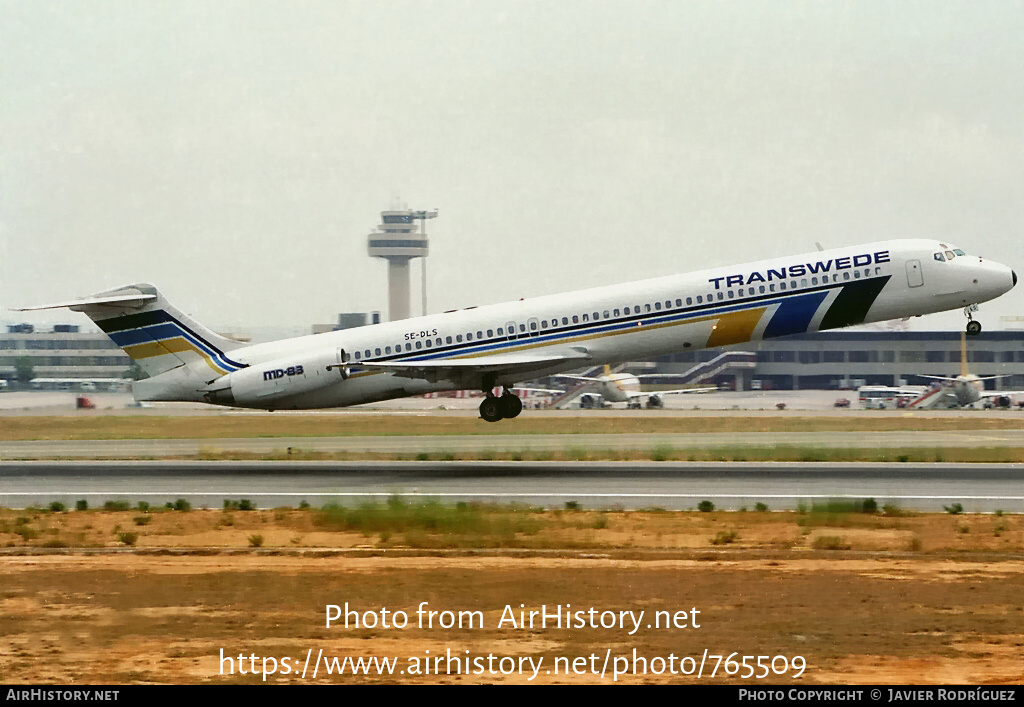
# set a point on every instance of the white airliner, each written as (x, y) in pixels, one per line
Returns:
(965, 389)
(497, 345)
(624, 388)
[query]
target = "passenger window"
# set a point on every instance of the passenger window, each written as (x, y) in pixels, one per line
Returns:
(782, 286)
(439, 341)
(700, 298)
(846, 275)
(616, 312)
(625, 310)
(357, 355)
(721, 296)
(761, 288)
(586, 317)
(668, 304)
(731, 294)
(490, 333)
(387, 349)
(856, 274)
(814, 281)
(501, 331)
(522, 328)
(377, 352)
(647, 307)
(803, 283)
(607, 315)
(596, 316)
(565, 321)
(419, 344)
(771, 287)
(429, 343)
(447, 339)
(657, 306)
(469, 336)
(679, 303)
(408, 347)
(575, 319)
(533, 326)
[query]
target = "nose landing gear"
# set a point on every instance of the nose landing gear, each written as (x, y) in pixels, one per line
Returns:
(494, 408)
(973, 327)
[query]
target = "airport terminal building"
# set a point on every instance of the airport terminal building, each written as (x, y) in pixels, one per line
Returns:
(826, 360)
(61, 354)
(848, 359)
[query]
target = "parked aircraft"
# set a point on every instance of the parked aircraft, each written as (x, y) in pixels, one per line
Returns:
(497, 345)
(965, 389)
(624, 388)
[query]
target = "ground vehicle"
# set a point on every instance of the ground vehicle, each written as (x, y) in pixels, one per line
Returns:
(842, 403)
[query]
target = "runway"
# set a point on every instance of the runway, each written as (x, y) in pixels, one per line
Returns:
(625, 485)
(411, 445)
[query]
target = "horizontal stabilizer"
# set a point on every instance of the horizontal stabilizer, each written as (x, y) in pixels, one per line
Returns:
(123, 300)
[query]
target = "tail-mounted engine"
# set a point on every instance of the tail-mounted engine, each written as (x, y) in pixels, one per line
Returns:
(261, 384)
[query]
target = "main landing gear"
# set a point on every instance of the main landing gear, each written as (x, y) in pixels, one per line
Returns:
(494, 408)
(973, 327)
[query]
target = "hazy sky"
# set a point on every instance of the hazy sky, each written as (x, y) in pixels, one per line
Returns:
(237, 154)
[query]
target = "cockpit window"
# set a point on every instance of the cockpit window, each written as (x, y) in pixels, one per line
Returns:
(959, 252)
(940, 257)
(949, 254)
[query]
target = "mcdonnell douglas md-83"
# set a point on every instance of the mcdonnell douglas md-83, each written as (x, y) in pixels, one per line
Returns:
(497, 345)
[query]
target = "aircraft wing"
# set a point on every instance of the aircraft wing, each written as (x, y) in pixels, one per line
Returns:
(680, 391)
(512, 365)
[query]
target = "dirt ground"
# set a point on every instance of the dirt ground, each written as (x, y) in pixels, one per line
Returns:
(833, 598)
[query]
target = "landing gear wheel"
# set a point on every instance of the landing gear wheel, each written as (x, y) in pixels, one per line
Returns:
(973, 328)
(511, 405)
(491, 409)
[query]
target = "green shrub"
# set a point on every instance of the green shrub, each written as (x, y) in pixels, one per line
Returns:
(182, 505)
(128, 538)
(142, 506)
(955, 509)
(81, 505)
(761, 507)
(870, 506)
(57, 507)
(572, 505)
(255, 541)
(705, 506)
(116, 505)
(830, 542)
(724, 537)
(142, 520)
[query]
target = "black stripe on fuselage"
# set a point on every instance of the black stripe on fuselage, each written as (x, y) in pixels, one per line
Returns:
(852, 303)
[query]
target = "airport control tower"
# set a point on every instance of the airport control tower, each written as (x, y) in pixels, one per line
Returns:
(397, 240)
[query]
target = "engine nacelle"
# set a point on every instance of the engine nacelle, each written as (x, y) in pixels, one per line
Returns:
(260, 384)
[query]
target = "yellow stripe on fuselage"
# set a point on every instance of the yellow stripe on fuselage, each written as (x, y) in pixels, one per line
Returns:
(735, 327)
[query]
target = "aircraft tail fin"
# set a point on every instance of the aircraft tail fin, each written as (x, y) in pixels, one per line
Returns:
(154, 333)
